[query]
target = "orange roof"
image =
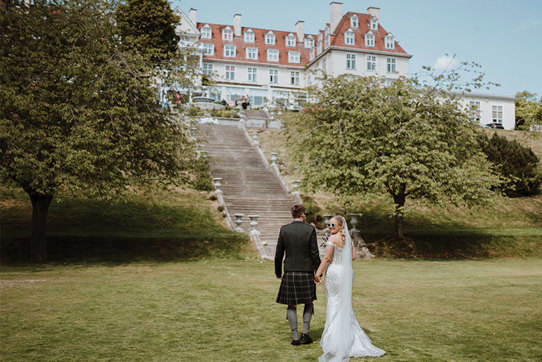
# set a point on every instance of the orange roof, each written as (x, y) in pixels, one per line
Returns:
(337, 39)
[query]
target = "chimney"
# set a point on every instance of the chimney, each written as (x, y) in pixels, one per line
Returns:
(374, 12)
(192, 15)
(237, 24)
(336, 15)
(300, 30)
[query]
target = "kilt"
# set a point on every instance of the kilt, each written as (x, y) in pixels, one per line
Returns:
(297, 288)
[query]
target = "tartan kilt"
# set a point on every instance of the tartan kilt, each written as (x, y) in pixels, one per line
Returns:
(297, 288)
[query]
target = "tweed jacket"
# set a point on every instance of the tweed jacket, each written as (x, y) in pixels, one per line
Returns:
(298, 241)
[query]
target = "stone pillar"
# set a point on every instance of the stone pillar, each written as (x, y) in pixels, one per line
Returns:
(274, 158)
(256, 138)
(254, 224)
(238, 222)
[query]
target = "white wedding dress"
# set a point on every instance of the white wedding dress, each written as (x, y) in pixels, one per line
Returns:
(343, 337)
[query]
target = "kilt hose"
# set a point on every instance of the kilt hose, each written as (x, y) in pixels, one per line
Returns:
(297, 288)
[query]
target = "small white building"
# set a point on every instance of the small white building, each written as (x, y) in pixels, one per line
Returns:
(491, 109)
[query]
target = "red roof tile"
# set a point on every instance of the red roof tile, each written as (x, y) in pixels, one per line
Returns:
(337, 39)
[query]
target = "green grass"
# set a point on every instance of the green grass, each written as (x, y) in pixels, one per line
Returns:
(224, 310)
(163, 225)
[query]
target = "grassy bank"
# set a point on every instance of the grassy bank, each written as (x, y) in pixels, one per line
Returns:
(504, 227)
(163, 225)
(224, 310)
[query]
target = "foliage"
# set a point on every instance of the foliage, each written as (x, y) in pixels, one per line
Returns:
(77, 111)
(194, 111)
(517, 164)
(404, 139)
(313, 212)
(528, 110)
(224, 113)
(148, 27)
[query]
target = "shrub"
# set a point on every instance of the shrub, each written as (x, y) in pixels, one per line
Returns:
(195, 111)
(313, 212)
(517, 164)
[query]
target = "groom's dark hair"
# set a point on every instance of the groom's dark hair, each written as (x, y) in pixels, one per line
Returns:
(297, 210)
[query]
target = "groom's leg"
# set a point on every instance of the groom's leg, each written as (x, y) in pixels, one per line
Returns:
(308, 311)
(291, 315)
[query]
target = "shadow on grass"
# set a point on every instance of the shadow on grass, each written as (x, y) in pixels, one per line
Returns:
(121, 250)
(457, 243)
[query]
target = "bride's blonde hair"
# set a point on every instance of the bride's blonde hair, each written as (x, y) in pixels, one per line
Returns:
(339, 220)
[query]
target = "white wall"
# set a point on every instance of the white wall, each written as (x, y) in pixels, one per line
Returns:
(486, 103)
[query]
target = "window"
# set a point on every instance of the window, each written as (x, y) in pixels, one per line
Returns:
(293, 57)
(354, 21)
(273, 55)
(209, 48)
(309, 42)
(369, 39)
(252, 53)
(496, 113)
(290, 40)
(208, 68)
(374, 23)
(249, 36)
(227, 34)
(273, 76)
(294, 78)
(252, 74)
(229, 51)
(206, 32)
(391, 65)
(390, 42)
(230, 72)
(371, 62)
(349, 37)
(270, 38)
(350, 61)
(475, 110)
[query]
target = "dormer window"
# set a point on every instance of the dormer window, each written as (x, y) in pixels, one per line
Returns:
(349, 37)
(369, 39)
(249, 36)
(390, 42)
(290, 40)
(309, 42)
(354, 21)
(227, 34)
(374, 23)
(206, 32)
(270, 38)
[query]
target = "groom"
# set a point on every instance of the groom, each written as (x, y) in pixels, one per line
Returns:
(298, 240)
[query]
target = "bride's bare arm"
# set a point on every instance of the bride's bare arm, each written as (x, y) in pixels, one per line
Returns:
(326, 260)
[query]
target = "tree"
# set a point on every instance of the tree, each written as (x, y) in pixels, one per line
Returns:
(404, 139)
(148, 26)
(528, 110)
(518, 165)
(77, 112)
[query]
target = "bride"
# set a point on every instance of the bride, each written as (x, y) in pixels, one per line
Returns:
(343, 337)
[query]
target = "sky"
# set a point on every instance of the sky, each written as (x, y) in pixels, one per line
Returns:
(503, 36)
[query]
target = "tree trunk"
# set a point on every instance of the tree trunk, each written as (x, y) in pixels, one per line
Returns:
(38, 240)
(399, 200)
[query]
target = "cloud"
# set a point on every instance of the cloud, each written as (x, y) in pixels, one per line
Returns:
(445, 62)
(530, 23)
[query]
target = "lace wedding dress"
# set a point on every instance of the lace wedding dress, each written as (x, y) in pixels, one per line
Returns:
(343, 337)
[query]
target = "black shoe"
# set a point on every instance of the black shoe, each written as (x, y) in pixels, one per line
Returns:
(305, 338)
(296, 342)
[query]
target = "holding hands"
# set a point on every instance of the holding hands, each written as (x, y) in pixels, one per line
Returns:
(317, 279)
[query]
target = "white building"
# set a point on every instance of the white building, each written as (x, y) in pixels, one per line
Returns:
(270, 66)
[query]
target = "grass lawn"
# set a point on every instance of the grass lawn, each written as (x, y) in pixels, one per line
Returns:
(224, 310)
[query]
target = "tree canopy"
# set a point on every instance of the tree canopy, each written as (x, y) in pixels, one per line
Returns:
(404, 139)
(148, 26)
(78, 112)
(528, 110)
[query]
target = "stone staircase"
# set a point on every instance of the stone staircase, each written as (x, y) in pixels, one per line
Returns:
(255, 114)
(248, 186)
